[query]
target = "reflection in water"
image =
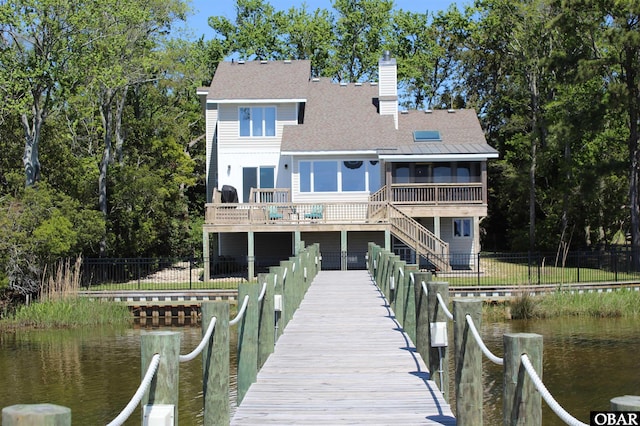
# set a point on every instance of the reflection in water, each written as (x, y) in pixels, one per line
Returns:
(586, 363)
(94, 372)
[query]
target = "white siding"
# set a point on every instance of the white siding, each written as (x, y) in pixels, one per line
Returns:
(211, 121)
(388, 85)
(234, 152)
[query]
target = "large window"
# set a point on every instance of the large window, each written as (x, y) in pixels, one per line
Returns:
(257, 121)
(446, 172)
(339, 176)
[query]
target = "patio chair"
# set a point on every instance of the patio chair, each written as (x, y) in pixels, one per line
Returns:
(273, 213)
(315, 213)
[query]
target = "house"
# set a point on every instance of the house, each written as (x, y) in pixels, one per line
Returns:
(338, 164)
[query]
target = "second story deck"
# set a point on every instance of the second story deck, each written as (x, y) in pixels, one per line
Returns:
(269, 209)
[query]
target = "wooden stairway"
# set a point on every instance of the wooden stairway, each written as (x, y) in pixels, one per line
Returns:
(426, 244)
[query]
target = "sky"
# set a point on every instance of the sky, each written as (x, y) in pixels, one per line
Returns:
(197, 23)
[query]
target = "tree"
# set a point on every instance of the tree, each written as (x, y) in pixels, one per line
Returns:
(254, 35)
(362, 30)
(120, 56)
(37, 47)
(306, 35)
(519, 35)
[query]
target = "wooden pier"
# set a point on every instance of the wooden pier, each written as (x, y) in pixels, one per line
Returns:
(343, 359)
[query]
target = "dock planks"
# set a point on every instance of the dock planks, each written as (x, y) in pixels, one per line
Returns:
(343, 360)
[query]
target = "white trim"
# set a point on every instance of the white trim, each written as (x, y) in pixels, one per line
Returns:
(408, 158)
(254, 101)
(329, 153)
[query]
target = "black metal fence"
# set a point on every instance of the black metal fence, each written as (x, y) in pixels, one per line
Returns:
(482, 269)
(498, 269)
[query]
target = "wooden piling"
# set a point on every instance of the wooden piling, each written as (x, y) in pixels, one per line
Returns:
(248, 339)
(164, 386)
(422, 315)
(278, 271)
(468, 363)
(287, 291)
(438, 356)
(266, 318)
(409, 324)
(398, 293)
(521, 403)
(626, 403)
(215, 365)
(36, 415)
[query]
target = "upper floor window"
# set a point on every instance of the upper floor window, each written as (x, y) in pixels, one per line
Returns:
(257, 121)
(339, 176)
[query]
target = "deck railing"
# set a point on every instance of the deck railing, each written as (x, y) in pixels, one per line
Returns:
(437, 194)
(292, 213)
(270, 195)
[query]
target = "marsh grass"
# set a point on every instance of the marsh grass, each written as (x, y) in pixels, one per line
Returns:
(59, 305)
(619, 303)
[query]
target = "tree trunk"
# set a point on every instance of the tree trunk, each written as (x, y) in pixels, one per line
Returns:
(31, 157)
(106, 115)
(634, 154)
(118, 124)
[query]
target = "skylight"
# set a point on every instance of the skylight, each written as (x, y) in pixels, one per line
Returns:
(426, 136)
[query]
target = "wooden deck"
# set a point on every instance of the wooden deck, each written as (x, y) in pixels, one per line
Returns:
(343, 360)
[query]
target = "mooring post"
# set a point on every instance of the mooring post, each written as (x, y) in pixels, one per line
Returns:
(215, 364)
(521, 402)
(164, 385)
(409, 316)
(36, 415)
(318, 258)
(422, 315)
(438, 342)
(266, 318)
(278, 296)
(287, 288)
(247, 339)
(468, 362)
(398, 295)
(626, 403)
(382, 268)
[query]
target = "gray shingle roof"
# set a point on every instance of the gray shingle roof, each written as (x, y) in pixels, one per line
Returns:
(339, 118)
(260, 80)
(345, 117)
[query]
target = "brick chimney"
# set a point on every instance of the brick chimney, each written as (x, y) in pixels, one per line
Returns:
(388, 86)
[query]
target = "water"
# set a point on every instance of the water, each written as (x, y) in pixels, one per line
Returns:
(95, 372)
(586, 363)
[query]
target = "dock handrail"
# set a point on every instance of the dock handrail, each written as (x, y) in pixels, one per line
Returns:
(546, 395)
(137, 397)
(256, 339)
(431, 297)
(205, 339)
(241, 312)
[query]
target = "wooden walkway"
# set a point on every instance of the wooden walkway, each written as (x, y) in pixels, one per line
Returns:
(343, 360)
